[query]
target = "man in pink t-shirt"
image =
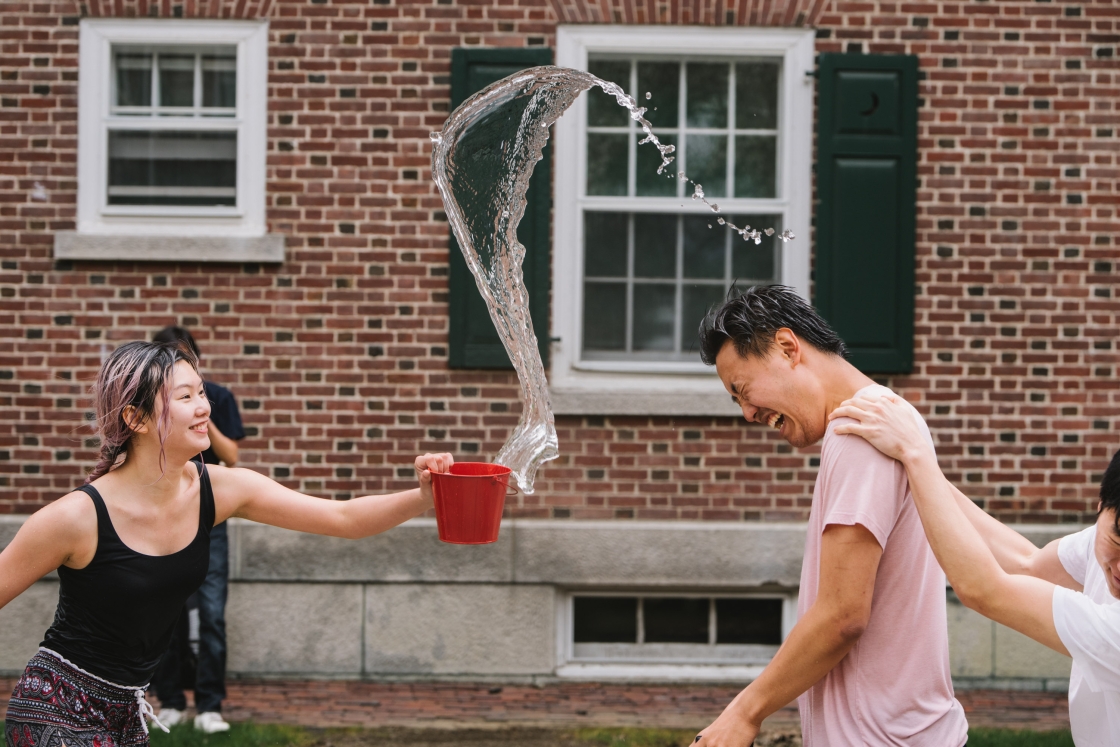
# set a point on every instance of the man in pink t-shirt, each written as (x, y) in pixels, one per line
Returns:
(869, 655)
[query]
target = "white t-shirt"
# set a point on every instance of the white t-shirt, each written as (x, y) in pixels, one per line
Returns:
(1089, 625)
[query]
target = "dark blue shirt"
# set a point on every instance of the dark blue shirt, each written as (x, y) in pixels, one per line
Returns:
(224, 415)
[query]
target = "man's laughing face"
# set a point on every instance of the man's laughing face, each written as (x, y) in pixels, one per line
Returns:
(767, 390)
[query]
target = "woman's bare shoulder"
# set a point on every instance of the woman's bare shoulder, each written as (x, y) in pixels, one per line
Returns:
(73, 514)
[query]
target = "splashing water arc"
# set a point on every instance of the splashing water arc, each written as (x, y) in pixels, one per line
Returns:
(481, 162)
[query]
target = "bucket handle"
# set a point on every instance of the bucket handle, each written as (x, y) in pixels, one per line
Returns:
(510, 490)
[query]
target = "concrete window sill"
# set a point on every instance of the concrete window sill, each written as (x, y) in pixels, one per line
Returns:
(74, 245)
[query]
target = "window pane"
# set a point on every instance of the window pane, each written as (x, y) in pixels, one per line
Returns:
(172, 168)
(750, 261)
(134, 80)
(219, 81)
(707, 94)
(749, 621)
(680, 620)
(662, 80)
(704, 247)
(654, 309)
(655, 245)
(606, 164)
(706, 163)
(755, 164)
(604, 240)
(176, 80)
(756, 95)
(695, 304)
(648, 182)
(602, 109)
(605, 620)
(604, 316)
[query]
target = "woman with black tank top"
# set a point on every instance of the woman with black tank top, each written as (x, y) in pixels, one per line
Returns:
(134, 542)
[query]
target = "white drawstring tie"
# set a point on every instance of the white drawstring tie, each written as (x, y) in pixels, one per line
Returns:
(146, 710)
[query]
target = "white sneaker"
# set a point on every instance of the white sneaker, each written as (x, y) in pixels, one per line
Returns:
(170, 716)
(210, 722)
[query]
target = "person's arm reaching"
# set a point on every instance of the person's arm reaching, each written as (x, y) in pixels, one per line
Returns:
(248, 495)
(224, 447)
(1015, 553)
(1022, 603)
(818, 642)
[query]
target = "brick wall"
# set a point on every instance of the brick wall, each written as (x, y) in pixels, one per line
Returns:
(338, 356)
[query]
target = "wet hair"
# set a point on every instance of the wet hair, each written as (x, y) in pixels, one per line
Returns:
(1110, 491)
(134, 374)
(749, 319)
(175, 334)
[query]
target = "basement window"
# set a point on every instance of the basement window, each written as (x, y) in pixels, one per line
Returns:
(693, 629)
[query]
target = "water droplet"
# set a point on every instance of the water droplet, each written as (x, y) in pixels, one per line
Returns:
(769, 232)
(680, 175)
(436, 137)
(714, 207)
(698, 192)
(721, 221)
(648, 95)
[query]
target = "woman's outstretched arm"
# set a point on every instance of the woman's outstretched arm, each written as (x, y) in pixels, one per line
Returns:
(55, 535)
(1022, 603)
(249, 495)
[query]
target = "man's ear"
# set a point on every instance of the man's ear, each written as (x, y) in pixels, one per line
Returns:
(133, 421)
(787, 344)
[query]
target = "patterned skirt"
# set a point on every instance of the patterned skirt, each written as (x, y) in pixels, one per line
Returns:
(55, 704)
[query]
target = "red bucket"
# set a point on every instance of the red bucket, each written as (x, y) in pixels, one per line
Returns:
(469, 502)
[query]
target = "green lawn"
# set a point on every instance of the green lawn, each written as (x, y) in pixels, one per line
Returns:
(257, 735)
(1009, 738)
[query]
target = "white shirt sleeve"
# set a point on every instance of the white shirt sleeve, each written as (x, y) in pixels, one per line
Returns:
(1075, 552)
(1091, 633)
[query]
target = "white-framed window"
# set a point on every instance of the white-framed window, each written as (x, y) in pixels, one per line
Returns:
(716, 635)
(172, 128)
(637, 260)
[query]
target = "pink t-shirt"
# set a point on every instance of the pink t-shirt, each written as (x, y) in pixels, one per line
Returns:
(894, 686)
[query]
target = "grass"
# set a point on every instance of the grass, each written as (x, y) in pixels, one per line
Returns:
(269, 735)
(1014, 738)
(245, 734)
(635, 737)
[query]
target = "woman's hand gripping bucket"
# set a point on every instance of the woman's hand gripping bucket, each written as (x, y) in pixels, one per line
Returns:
(470, 499)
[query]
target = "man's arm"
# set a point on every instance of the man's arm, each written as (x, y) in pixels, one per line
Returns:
(224, 447)
(1020, 602)
(820, 640)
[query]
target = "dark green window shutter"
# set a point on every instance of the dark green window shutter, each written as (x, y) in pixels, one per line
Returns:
(473, 341)
(867, 145)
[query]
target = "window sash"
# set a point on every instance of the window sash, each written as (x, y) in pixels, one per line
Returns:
(673, 345)
(579, 385)
(245, 44)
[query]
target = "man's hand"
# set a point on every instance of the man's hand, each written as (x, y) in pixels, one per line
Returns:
(731, 729)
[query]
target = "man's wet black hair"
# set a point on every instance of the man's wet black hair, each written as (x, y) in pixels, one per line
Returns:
(749, 318)
(1110, 491)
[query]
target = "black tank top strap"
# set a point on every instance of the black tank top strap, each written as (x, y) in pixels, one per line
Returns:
(105, 528)
(207, 512)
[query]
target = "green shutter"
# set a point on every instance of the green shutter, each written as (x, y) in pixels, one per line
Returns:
(473, 341)
(867, 145)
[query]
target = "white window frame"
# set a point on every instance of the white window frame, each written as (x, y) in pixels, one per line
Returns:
(737, 663)
(581, 386)
(96, 85)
